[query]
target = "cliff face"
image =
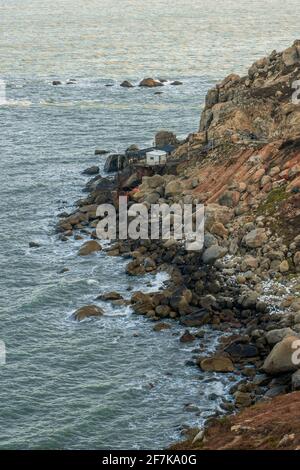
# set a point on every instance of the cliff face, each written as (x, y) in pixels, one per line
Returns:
(258, 106)
(246, 154)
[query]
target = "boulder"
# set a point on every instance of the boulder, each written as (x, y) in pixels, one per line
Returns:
(92, 170)
(34, 244)
(89, 247)
(199, 318)
(163, 138)
(249, 299)
(154, 182)
(176, 83)
(187, 337)
(135, 268)
(217, 213)
(209, 240)
(161, 326)
(87, 311)
(284, 266)
(180, 304)
(217, 364)
(142, 303)
(152, 198)
(275, 336)
(173, 188)
(297, 259)
(242, 399)
(126, 84)
(110, 296)
(229, 198)
(219, 230)
(162, 311)
(284, 357)
(249, 262)
(256, 238)
(238, 349)
(213, 253)
(150, 83)
(114, 162)
(291, 55)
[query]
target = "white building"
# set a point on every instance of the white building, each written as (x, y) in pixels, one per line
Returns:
(156, 157)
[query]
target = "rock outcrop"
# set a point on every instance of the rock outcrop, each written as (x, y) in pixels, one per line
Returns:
(258, 106)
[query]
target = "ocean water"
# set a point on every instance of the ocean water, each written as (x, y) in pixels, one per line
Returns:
(112, 382)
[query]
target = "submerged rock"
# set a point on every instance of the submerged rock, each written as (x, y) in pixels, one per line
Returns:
(110, 296)
(161, 326)
(87, 311)
(34, 244)
(187, 337)
(89, 247)
(150, 83)
(126, 84)
(92, 170)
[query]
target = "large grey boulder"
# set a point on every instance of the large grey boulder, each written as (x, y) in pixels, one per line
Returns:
(284, 357)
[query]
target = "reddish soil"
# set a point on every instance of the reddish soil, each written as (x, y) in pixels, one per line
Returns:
(266, 426)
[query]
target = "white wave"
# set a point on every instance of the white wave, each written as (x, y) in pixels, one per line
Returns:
(16, 103)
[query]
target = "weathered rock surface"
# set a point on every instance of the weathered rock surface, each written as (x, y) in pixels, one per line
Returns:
(281, 358)
(89, 247)
(163, 138)
(110, 296)
(150, 83)
(87, 311)
(213, 253)
(275, 336)
(126, 84)
(255, 238)
(217, 364)
(92, 170)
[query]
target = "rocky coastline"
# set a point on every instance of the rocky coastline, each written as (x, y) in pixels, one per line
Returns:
(243, 164)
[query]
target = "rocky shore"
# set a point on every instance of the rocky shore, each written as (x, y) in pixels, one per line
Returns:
(244, 165)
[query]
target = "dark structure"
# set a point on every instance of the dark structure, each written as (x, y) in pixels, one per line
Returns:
(134, 156)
